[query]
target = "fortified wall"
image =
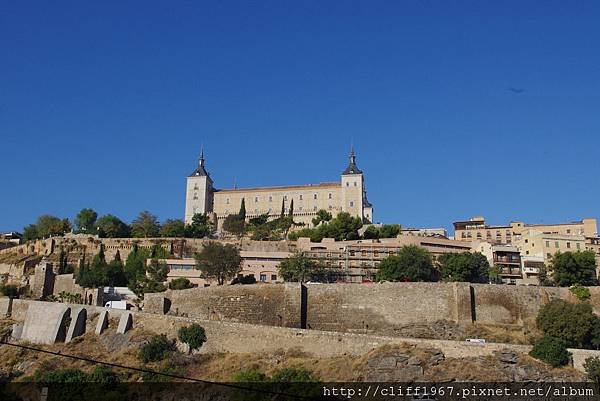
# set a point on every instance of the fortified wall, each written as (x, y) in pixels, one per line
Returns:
(45, 322)
(362, 308)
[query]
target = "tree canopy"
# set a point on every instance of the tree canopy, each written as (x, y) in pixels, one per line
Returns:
(299, 268)
(570, 268)
(342, 227)
(85, 220)
(109, 226)
(575, 324)
(46, 226)
(411, 263)
(145, 225)
(200, 227)
(467, 267)
(218, 261)
(173, 228)
(385, 231)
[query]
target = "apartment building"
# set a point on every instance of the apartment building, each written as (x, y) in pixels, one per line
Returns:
(358, 260)
(476, 229)
(506, 257)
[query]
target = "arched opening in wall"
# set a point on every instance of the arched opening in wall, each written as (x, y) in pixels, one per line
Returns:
(65, 322)
(89, 299)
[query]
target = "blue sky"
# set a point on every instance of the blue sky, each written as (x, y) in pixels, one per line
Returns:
(106, 105)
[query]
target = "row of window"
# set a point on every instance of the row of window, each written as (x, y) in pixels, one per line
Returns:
(557, 244)
(285, 198)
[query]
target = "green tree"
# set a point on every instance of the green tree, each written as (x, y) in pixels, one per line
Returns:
(299, 268)
(115, 273)
(371, 232)
(322, 216)
(9, 290)
(592, 368)
(218, 261)
(465, 267)
(30, 233)
(109, 226)
(145, 225)
(291, 211)
(242, 212)
(494, 274)
(200, 227)
(173, 228)
(412, 263)
(343, 227)
(152, 281)
(157, 349)
(48, 226)
(234, 224)
(551, 350)
(194, 336)
(95, 274)
(573, 268)
(85, 220)
(180, 283)
(389, 230)
(572, 323)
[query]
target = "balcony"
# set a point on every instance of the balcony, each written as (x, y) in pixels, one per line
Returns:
(508, 272)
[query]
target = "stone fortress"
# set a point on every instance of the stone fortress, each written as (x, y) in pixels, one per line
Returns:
(347, 195)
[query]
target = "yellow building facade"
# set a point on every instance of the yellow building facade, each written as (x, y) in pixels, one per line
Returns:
(347, 195)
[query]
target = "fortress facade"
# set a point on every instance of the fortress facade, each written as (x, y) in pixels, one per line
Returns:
(347, 195)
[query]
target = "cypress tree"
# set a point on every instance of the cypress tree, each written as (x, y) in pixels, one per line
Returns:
(291, 214)
(242, 212)
(282, 209)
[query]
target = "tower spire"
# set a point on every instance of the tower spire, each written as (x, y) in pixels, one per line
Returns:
(352, 168)
(202, 156)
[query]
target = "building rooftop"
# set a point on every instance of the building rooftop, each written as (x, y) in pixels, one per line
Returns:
(283, 187)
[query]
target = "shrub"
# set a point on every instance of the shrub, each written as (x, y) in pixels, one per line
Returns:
(551, 350)
(592, 368)
(251, 375)
(193, 335)
(157, 349)
(293, 375)
(67, 375)
(9, 290)
(572, 323)
(180, 283)
(247, 279)
(582, 293)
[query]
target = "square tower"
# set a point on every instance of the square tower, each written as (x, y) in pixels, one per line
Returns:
(198, 192)
(353, 188)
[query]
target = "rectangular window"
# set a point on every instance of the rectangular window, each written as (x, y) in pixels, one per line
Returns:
(568, 245)
(578, 245)
(273, 277)
(300, 197)
(556, 244)
(547, 244)
(270, 199)
(351, 204)
(329, 196)
(263, 277)
(284, 197)
(227, 201)
(315, 196)
(256, 199)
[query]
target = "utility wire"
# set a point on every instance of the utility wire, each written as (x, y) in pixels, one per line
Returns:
(116, 365)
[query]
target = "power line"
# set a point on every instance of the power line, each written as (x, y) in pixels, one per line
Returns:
(116, 365)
